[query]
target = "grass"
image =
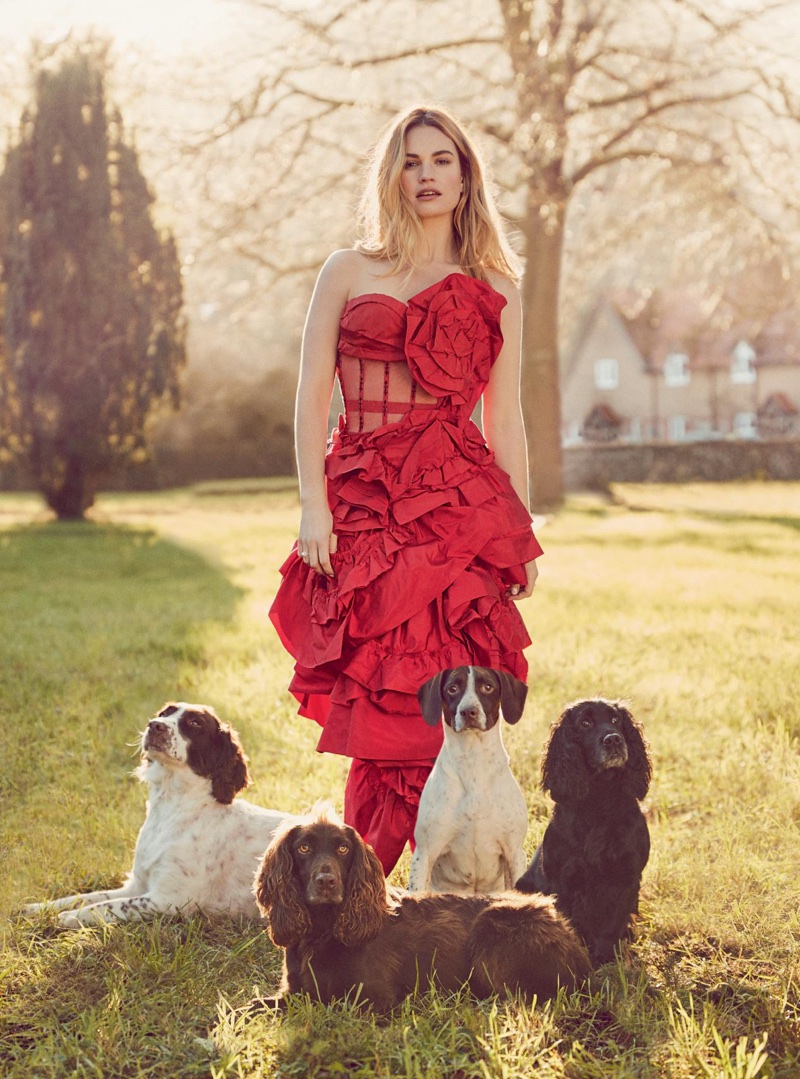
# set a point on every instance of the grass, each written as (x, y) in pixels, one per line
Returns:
(684, 599)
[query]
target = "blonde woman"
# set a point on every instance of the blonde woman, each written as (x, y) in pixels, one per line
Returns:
(415, 537)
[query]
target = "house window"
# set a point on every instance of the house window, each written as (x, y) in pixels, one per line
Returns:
(676, 369)
(606, 374)
(702, 430)
(742, 370)
(676, 428)
(574, 431)
(744, 425)
(635, 434)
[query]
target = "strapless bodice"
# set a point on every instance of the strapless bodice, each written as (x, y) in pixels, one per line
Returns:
(446, 338)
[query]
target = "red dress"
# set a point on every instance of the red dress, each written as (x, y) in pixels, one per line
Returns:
(430, 531)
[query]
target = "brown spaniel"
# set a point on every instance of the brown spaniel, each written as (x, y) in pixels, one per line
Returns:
(324, 893)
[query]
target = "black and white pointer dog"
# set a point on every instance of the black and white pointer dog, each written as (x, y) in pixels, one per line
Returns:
(472, 814)
(597, 768)
(199, 847)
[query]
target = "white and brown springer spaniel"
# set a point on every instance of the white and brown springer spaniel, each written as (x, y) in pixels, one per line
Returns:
(199, 847)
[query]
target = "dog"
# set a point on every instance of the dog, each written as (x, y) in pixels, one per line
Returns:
(198, 849)
(324, 893)
(472, 816)
(597, 768)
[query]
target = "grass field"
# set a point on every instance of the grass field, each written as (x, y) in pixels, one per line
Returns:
(684, 599)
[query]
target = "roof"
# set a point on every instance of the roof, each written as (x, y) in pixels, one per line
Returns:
(778, 404)
(707, 329)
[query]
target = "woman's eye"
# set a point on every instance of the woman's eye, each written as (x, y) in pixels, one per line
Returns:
(410, 164)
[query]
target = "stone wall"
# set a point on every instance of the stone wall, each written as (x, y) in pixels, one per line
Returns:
(597, 465)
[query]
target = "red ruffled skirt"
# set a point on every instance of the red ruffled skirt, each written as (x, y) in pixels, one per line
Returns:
(430, 536)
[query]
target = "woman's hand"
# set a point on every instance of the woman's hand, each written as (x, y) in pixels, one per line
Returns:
(516, 591)
(317, 541)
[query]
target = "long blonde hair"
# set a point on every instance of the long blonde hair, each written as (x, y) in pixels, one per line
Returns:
(390, 229)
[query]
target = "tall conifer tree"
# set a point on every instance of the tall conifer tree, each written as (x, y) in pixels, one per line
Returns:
(94, 335)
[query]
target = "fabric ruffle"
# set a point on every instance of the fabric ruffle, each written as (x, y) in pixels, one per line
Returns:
(430, 537)
(430, 533)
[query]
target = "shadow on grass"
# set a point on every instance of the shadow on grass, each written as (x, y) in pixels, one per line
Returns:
(104, 624)
(93, 600)
(113, 1000)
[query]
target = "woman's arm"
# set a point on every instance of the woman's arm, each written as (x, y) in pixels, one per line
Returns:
(317, 370)
(503, 425)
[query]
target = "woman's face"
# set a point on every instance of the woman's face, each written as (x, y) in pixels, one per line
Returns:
(431, 177)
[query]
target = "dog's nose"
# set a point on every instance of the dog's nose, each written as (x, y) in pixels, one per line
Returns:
(325, 879)
(156, 727)
(469, 712)
(612, 740)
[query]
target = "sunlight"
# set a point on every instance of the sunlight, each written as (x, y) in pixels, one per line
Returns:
(169, 26)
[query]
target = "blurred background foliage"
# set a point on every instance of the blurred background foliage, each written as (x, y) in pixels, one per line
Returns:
(632, 145)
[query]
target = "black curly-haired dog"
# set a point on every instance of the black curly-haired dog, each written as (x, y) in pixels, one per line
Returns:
(596, 767)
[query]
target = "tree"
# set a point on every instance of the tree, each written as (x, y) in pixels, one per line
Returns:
(94, 336)
(573, 92)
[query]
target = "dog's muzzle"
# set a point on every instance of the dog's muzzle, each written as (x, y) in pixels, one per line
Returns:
(613, 751)
(325, 886)
(157, 738)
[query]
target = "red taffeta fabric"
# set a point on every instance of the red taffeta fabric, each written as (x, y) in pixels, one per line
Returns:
(430, 535)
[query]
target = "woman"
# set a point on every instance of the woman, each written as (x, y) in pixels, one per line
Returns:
(415, 536)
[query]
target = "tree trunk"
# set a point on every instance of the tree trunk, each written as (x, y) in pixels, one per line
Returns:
(541, 388)
(72, 495)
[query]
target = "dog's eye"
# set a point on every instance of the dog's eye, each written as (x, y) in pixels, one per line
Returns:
(615, 720)
(194, 721)
(303, 848)
(487, 687)
(343, 848)
(586, 721)
(452, 690)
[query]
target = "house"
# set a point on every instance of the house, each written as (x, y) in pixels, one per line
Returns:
(670, 366)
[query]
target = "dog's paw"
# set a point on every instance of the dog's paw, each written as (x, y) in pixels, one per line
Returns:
(69, 919)
(36, 910)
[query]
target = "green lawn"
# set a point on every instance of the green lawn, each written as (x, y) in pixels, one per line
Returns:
(683, 599)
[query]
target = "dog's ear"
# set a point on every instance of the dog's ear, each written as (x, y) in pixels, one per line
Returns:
(429, 696)
(278, 894)
(638, 768)
(366, 903)
(230, 773)
(512, 697)
(564, 771)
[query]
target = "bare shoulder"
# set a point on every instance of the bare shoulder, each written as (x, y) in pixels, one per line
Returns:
(348, 273)
(345, 260)
(340, 266)
(505, 286)
(335, 281)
